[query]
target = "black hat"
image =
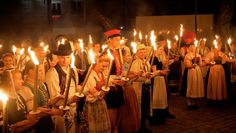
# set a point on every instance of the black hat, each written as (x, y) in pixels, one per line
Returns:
(63, 50)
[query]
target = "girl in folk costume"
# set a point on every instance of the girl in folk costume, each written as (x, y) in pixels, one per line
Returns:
(129, 119)
(216, 85)
(159, 96)
(141, 85)
(192, 83)
(115, 98)
(95, 117)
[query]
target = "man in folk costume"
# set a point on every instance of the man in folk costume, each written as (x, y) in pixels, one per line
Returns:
(56, 79)
(114, 97)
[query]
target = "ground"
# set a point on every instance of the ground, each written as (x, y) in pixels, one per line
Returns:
(205, 119)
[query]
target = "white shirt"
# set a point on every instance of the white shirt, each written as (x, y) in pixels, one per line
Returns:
(52, 80)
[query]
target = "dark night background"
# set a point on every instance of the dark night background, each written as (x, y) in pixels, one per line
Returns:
(32, 19)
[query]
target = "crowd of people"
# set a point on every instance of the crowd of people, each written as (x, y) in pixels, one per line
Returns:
(120, 90)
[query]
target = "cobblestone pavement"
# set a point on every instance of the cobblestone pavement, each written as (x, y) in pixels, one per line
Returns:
(206, 119)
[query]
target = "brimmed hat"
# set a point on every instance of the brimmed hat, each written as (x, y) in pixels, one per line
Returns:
(141, 46)
(112, 33)
(63, 50)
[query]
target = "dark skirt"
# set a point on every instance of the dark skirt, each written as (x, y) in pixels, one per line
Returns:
(174, 70)
(184, 83)
(115, 97)
(79, 108)
(44, 125)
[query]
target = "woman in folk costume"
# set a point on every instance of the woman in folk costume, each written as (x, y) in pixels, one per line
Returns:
(115, 98)
(56, 79)
(159, 96)
(216, 85)
(188, 37)
(95, 117)
(129, 119)
(192, 83)
(142, 86)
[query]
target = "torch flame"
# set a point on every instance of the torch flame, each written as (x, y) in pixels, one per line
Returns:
(215, 43)
(181, 30)
(90, 39)
(229, 41)
(45, 49)
(196, 43)
(168, 44)
(58, 43)
(0, 46)
(176, 37)
(204, 39)
(33, 57)
(140, 36)
(3, 96)
(22, 51)
(104, 47)
(14, 49)
(81, 44)
(134, 45)
(91, 55)
(135, 33)
(122, 41)
(153, 39)
(217, 37)
(41, 44)
(110, 55)
(63, 41)
(72, 65)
